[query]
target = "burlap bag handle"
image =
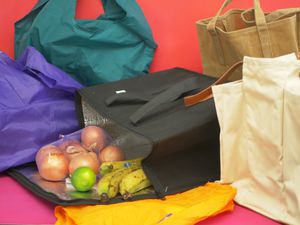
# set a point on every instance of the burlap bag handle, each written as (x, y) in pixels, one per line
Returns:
(261, 26)
(271, 16)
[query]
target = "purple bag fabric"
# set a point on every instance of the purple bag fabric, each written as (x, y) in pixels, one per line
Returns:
(36, 106)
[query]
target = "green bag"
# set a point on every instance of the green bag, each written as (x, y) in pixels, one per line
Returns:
(117, 45)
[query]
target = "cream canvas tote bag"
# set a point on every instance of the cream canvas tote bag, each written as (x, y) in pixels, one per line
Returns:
(291, 146)
(229, 104)
(254, 137)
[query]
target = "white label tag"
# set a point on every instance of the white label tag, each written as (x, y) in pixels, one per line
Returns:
(120, 91)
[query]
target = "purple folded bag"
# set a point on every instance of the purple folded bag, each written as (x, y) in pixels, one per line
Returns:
(36, 106)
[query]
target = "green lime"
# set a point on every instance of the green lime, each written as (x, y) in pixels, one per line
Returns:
(83, 179)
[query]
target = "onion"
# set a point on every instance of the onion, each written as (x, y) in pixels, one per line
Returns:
(111, 153)
(93, 154)
(93, 138)
(72, 148)
(68, 143)
(84, 159)
(52, 163)
(45, 150)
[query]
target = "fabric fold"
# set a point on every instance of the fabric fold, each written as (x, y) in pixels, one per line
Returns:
(185, 208)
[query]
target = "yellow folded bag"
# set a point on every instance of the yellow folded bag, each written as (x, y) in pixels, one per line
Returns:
(185, 208)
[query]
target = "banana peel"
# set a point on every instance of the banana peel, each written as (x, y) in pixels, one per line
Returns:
(133, 182)
(108, 167)
(108, 186)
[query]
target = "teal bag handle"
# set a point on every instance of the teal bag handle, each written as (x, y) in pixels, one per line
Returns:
(117, 45)
(25, 23)
(112, 9)
(117, 8)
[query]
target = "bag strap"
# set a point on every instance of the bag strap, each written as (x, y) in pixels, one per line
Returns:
(122, 96)
(211, 27)
(207, 93)
(262, 29)
(271, 16)
(37, 6)
(261, 26)
(174, 93)
(169, 95)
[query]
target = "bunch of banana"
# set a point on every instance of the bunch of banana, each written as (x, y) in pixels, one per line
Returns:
(108, 167)
(108, 186)
(133, 182)
(145, 191)
(126, 177)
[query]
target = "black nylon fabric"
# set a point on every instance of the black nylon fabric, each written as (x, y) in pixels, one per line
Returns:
(167, 96)
(185, 150)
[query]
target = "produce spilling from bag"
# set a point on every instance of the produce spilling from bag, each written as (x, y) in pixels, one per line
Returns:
(91, 160)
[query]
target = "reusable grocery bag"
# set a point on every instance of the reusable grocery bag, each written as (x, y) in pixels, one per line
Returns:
(36, 106)
(147, 118)
(146, 115)
(117, 45)
(226, 39)
(229, 103)
(291, 159)
(258, 147)
(179, 145)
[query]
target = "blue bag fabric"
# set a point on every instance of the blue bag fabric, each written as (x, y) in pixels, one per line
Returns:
(117, 45)
(36, 106)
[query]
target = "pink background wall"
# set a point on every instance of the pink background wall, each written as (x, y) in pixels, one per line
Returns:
(174, 29)
(172, 23)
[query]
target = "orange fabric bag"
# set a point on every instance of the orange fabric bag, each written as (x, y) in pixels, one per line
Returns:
(185, 208)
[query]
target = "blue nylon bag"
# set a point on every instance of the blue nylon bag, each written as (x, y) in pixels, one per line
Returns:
(36, 106)
(117, 45)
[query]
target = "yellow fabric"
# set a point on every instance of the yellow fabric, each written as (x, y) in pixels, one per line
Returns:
(185, 208)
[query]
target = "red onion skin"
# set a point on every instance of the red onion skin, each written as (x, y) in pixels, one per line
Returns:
(68, 143)
(93, 154)
(74, 150)
(93, 138)
(85, 159)
(111, 153)
(52, 163)
(45, 150)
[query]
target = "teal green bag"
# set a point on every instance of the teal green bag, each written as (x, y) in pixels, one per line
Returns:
(117, 45)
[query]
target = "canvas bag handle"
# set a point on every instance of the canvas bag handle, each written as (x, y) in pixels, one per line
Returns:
(261, 26)
(207, 93)
(271, 16)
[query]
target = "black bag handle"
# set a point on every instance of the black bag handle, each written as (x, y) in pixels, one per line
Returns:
(169, 95)
(124, 97)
